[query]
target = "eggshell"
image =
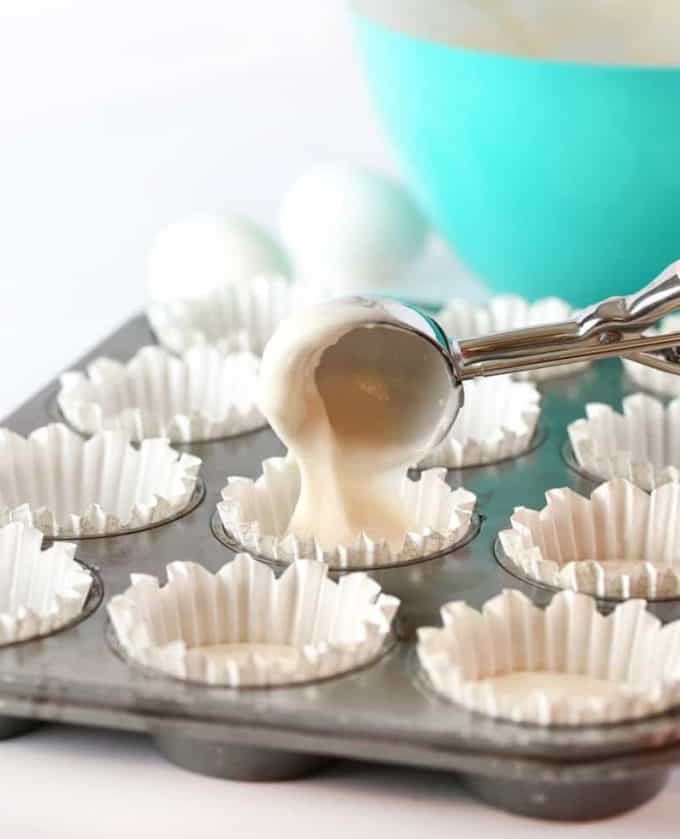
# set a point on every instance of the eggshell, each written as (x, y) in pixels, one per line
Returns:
(192, 258)
(349, 229)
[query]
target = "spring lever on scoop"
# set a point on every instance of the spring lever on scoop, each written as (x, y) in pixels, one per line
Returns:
(615, 326)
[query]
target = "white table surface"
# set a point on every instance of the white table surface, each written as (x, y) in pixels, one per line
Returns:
(114, 120)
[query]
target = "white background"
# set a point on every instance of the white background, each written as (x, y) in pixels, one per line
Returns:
(119, 117)
(116, 118)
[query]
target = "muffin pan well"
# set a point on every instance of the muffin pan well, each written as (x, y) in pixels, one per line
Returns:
(383, 711)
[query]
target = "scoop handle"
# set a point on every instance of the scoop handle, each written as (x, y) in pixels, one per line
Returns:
(611, 327)
(658, 298)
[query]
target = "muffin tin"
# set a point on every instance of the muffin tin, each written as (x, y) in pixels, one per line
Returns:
(384, 711)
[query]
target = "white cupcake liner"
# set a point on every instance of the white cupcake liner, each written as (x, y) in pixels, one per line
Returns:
(243, 627)
(202, 396)
(40, 591)
(497, 422)
(237, 317)
(642, 444)
(619, 543)
(67, 486)
(255, 514)
(511, 635)
(462, 319)
(648, 378)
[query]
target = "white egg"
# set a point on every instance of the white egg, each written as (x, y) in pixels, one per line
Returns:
(190, 259)
(348, 229)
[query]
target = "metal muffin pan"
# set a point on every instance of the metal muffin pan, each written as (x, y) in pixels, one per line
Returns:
(382, 712)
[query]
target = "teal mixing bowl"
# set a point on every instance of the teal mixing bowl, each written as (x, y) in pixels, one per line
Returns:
(545, 177)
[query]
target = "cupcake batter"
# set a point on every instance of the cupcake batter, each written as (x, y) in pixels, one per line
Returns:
(556, 686)
(220, 654)
(355, 403)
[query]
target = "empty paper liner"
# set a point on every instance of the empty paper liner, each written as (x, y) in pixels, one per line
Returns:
(202, 396)
(461, 319)
(642, 444)
(40, 591)
(563, 665)
(67, 486)
(498, 422)
(621, 542)
(238, 316)
(256, 513)
(243, 627)
(665, 384)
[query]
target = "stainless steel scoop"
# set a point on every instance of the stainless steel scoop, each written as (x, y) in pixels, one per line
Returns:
(614, 326)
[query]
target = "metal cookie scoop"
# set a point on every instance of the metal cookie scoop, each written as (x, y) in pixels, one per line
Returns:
(614, 326)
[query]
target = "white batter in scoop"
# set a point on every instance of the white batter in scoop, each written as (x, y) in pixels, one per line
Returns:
(355, 403)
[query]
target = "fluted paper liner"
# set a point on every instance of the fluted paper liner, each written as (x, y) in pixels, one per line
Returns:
(648, 378)
(67, 486)
(256, 515)
(201, 396)
(619, 543)
(40, 591)
(642, 444)
(243, 627)
(463, 319)
(629, 648)
(238, 316)
(498, 421)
